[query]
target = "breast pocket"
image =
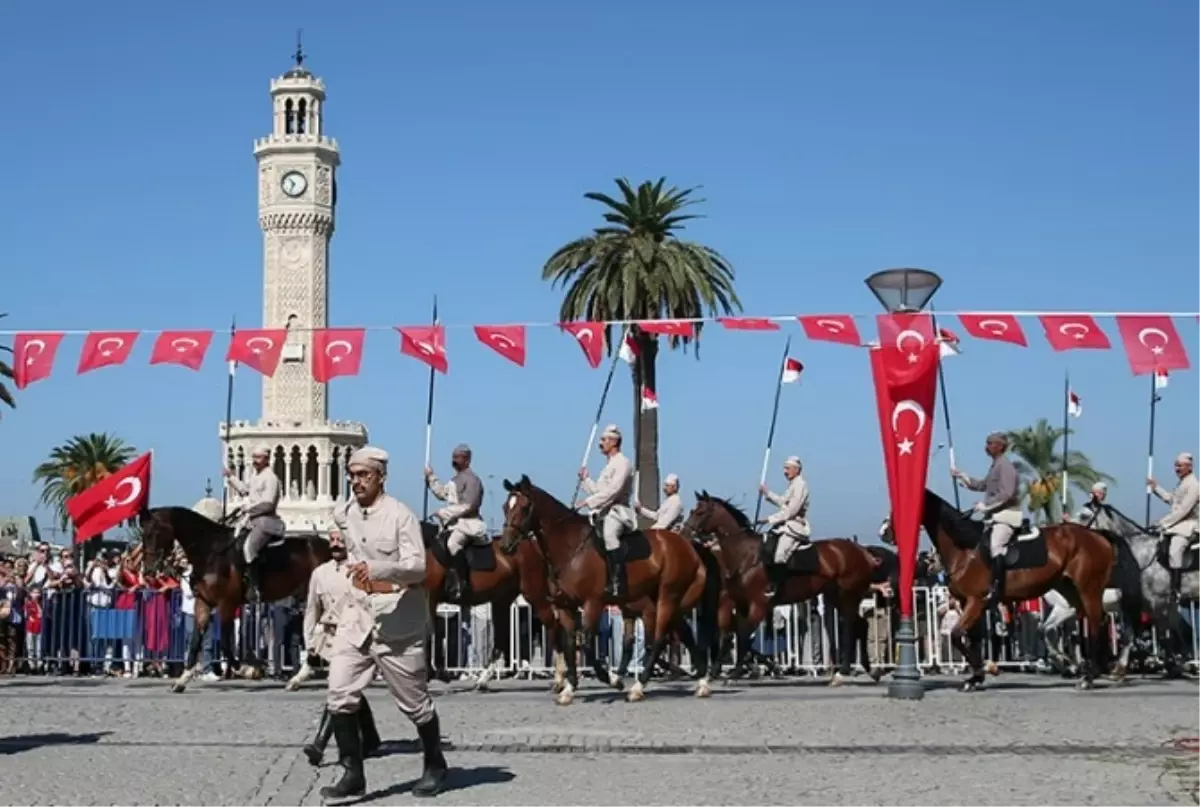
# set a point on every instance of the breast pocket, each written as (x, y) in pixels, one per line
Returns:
(384, 549)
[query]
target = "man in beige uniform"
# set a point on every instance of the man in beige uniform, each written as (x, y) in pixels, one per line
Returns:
(261, 495)
(790, 521)
(329, 593)
(608, 500)
(387, 560)
(669, 515)
(1183, 519)
(463, 496)
(1001, 505)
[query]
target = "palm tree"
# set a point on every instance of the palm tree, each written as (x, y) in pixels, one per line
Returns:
(1041, 469)
(636, 268)
(6, 371)
(77, 465)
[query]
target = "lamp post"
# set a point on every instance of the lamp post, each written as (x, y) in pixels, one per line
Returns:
(905, 291)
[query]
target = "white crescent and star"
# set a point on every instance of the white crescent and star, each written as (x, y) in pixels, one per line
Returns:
(183, 344)
(26, 353)
(1155, 349)
(584, 335)
(135, 489)
(906, 444)
(1076, 330)
(831, 325)
(501, 341)
(908, 334)
(339, 343)
(425, 347)
(253, 340)
(108, 351)
(994, 326)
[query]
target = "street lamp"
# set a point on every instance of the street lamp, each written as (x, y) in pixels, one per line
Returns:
(908, 291)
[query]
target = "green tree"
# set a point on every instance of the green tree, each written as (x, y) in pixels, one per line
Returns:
(77, 465)
(6, 371)
(636, 268)
(1041, 469)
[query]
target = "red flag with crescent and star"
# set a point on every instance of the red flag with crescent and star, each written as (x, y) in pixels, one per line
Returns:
(994, 328)
(116, 498)
(507, 340)
(258, 349)
(907, 368)
(185, 348)
(33, 357)
(427, 344)
(838, 328)
(590, 336)
(1073, 332)
(748, 324)
(336, 352)
(1152, 344)
(105, 349)
(668, 327)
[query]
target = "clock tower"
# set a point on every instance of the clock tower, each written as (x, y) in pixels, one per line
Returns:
(297, 198)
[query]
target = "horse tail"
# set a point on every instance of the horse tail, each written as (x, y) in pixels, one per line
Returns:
(708, 607)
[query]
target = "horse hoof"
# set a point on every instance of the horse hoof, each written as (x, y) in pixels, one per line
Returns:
(565, 697)
(1118, 674)
(636, 693)
(837, 680)
(968, 686)
(1084, 685)
(177, 688)
(703, 689)
(616, 683)
(876, 675)
(993, 668)
(557, 686)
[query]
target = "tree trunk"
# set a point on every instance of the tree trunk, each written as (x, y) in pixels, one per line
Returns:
(645, 432)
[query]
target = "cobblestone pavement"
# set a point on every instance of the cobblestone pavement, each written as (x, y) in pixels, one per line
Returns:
(1025, 740)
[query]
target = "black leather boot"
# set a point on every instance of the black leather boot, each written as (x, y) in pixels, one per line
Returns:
(352, 785)
(616, 574)
(1176, 583)
(316, 749)
(996, 595)
(433, 776)
(366, 726)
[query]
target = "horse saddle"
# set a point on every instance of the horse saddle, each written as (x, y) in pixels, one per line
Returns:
(803, 560)
(634, 544)
(1191, 556)
(480, 557)
(1026, 550)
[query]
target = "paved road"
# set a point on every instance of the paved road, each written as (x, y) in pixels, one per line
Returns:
(1024, 741)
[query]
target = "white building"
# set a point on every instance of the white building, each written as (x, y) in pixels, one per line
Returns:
(297, 197)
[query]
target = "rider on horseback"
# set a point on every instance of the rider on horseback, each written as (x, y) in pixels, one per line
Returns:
(1095, 506)
(258, 515)
(1183, 520)
(464, 499)
(790, 522)
(669, 515)
(1001, 505)
(608, 500)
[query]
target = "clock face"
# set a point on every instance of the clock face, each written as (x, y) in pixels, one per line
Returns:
(294, 183)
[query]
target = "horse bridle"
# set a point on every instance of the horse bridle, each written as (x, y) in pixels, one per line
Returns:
(692, 534)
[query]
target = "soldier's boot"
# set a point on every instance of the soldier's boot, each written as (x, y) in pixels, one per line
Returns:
(1176, 584)
(315, 750)
(996, 593)
(250, 581)
(352, 784)
(458, 577)
(616, 574)
(433, 774)
(366, 726)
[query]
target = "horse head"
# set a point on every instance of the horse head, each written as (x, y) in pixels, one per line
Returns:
(158, 540)
(940, 517)
(519, 514)
(164, 528)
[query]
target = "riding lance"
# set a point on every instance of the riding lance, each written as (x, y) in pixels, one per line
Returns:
(1155, 383)
(762, 477)
(228, 418)
(946, 411)
(587, 449)
(429, 422)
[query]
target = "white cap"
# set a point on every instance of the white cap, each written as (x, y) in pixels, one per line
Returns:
(1100, 487)
(671, 479)
(611, 431)
(1185, 457)
(261, 450)
(794, 461)
(370, 457)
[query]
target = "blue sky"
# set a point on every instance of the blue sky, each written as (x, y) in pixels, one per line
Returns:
(1036, 155)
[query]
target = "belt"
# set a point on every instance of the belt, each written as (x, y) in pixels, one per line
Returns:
(330, 630)
(378, 587)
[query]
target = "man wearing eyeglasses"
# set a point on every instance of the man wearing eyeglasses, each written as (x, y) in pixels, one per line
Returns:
(1182, 521)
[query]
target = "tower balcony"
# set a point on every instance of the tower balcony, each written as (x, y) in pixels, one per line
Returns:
(297, 143)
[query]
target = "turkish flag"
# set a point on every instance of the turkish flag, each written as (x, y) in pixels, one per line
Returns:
(105, 348)
(114, 499)
(33, 357)
(507, 340)
(748, 324)
(336, 352)
(427, 344)
(257, 349)
(838, 328)
(906, 410)
(1152, 344)
(994, 328)
(185, 348)
(1074, 332)
(590, 336)
(668, 327)
(906, 335)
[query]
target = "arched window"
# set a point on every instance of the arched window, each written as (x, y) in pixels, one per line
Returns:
(302, 117)
(289, 117)
(296, 476)
(312, 474)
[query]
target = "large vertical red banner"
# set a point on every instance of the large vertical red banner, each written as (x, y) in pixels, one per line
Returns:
(905, 368)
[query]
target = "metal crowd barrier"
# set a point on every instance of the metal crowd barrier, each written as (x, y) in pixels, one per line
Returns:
(83, 630)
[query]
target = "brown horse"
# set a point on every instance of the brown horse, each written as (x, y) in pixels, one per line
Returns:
(1078, 564)
(666, 579)
(836, 567)
(217, 572)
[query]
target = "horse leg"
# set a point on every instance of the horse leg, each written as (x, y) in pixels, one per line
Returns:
(861, 629)
(847, 614)
(501, 617)
(569, 649)
(1093, 611)
(628, 640)
(971, 649)
(699, 652)
(656, 621)
(203, 616)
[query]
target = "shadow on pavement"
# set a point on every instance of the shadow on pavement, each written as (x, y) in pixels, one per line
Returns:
(457, 779)
(30, 742)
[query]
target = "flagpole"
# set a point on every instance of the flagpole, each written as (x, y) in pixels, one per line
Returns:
(587, 449)
(1154, 399)
(228, 419)
(1066, 438)
(946, 411)
(762, 477)
(429, 421)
